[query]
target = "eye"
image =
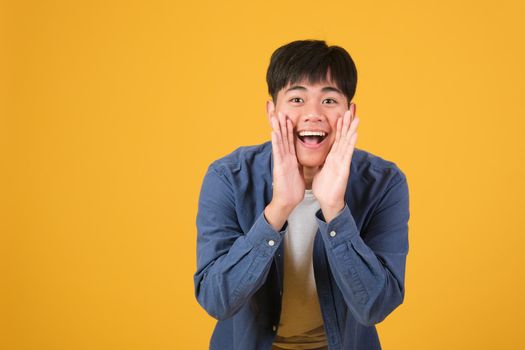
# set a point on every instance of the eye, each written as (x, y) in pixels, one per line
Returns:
(296, 98)
(330, 99)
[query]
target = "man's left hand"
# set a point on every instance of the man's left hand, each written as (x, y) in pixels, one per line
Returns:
(330, 182)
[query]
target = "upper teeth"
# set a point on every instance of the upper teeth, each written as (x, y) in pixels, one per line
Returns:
(312, 133)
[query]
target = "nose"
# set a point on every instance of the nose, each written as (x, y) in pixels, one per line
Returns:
(313, 117)
(313, 113)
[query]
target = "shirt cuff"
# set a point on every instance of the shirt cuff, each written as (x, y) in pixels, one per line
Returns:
(263, 236)
(341, 229)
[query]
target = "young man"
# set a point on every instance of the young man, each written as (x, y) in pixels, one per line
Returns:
(302, 241)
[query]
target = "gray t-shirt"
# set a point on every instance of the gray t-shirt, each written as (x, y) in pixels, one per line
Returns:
(301, 324)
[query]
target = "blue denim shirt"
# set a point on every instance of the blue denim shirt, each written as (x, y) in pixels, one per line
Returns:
(359, 257)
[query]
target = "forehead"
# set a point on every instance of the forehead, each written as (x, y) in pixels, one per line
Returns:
(305, 85)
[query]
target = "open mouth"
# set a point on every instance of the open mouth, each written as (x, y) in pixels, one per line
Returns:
(312, 139)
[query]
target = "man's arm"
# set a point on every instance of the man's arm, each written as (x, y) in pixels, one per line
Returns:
(369, 269)
(231, 265)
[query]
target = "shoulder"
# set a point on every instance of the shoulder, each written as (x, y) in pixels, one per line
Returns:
(373, 168)
(243, 158)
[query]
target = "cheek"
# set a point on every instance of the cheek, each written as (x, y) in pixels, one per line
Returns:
(333, 121)
(294, 117)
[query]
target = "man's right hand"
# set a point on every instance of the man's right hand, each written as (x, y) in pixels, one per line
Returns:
(288, 180)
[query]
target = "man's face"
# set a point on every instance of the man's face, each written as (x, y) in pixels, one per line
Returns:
(311, 108)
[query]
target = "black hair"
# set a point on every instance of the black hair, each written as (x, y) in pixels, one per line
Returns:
(311, 60)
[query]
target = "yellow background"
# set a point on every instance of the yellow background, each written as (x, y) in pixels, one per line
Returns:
(112, 111)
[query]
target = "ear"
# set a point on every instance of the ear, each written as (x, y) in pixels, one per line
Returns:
(352, 109)
(270, 110)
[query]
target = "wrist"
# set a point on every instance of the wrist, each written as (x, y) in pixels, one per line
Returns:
(276, 214)
(331, 211)
(287, 208)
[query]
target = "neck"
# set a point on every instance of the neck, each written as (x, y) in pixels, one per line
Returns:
(308, 174)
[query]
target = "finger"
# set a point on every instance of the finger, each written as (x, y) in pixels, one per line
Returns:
(353, 127)
(351, 132)
(290, 135)
(284, 133)
(350, 149)
(344, 131)
(352, 140)
(277, 130)
(337, 133)
(275, 124)
(275, 147)
(346, 124)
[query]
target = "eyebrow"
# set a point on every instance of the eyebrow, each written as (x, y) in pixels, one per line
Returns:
(324, 89)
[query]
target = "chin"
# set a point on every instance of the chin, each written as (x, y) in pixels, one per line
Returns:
(312, 162)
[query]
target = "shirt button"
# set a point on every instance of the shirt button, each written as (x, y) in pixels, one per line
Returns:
(332, 234)
(271, 242)
(274, 327)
